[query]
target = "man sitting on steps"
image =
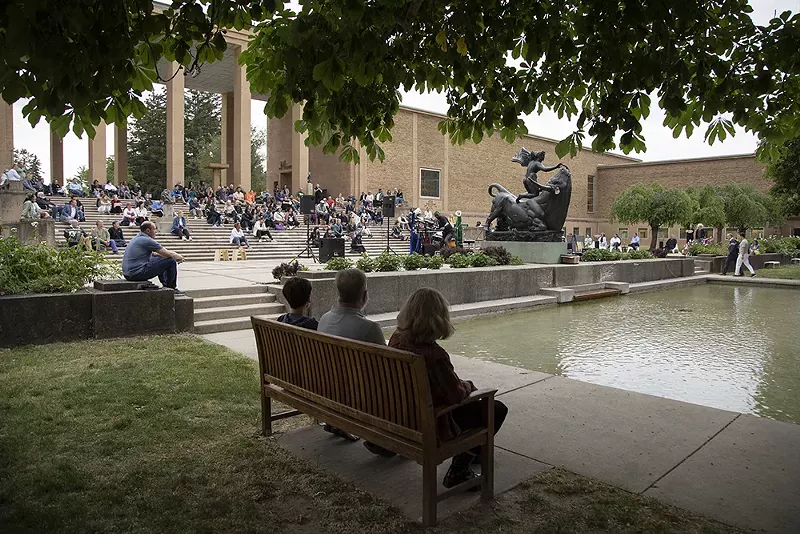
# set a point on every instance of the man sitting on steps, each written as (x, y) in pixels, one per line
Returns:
(348, 320)
(145, 258)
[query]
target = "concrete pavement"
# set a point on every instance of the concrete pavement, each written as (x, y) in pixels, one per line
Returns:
(735, 468)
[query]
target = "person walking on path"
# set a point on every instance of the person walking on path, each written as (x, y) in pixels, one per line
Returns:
(733, 253)
(744, 257)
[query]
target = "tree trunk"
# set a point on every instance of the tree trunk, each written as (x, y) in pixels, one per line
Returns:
(653, 238)
(719, 234)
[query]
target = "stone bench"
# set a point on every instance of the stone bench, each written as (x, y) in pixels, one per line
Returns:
(795, 261)
(771, 264)
(116, 285)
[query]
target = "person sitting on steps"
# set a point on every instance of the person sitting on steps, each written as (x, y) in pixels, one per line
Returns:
(297, 292)
(179, 227)
(237, 236)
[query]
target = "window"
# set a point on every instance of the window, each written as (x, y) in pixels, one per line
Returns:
(623, 233)
(429, 183)
(642, 233)
(588, 231)
(757, 233)
(590, 195)
(576, 231)
(662, 233)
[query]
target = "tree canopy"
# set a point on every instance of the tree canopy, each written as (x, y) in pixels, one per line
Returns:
(747, 208)
(657, 206)
(708, 207)
(29, 163)
(786, 174)
(82, 61)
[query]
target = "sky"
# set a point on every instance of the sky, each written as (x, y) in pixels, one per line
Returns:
(660, 144)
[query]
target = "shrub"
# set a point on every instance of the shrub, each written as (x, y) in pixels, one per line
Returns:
(639, 255)
(789, 246)
(448, 251)
(338, 264)
(287, 269)
(414, 261)
(593, 254)
(386, 262)
(365, 263)
(500, 254)
(44, 269)
(459, 261)
(718, 249)
(479, 259)
(516, 260)
(435, 262)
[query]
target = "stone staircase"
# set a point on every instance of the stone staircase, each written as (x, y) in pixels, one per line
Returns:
(287, 243)
(229, 308)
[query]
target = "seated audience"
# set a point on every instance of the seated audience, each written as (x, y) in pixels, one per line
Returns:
(30, 209)
(672, 245)
(179, 228)
(128, 216)
(116, 206)
(115, 233)
(616, 242)
(70, 212)
(297, 292)
(101, 238)
(260, 230)
(75, 235)
(237, 236)
(634, 242)
(423, 320)
(214, 217)
(145, 258)
(157, 208)
(141, 214)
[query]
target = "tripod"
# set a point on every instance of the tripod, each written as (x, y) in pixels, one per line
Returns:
(309, 250)
(388, 247)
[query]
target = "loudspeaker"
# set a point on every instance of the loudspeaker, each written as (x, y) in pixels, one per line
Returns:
(388, 206)
(307, 205)
(331, 248)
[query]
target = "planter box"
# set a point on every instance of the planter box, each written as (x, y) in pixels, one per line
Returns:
(87, 314)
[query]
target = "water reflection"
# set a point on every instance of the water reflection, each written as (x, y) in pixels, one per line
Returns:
(735, 348)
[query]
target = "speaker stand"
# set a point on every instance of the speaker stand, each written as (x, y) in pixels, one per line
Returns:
(389, 249)
(309, 250)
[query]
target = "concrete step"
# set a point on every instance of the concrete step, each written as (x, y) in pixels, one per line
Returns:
(254, 289)
(226, 325)
(233, 300)
(230, 312)
(476, 308)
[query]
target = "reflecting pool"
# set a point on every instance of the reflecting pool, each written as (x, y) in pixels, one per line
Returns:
(735, 348)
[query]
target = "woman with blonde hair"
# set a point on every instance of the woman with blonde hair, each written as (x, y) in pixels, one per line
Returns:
(423, 320)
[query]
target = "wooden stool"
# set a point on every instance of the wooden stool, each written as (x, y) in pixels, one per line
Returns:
(221, 254)
(239, 253)
(771, 264)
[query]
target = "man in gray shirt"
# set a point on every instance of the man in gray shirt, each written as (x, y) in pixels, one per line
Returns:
(145, 258)
(347, 319)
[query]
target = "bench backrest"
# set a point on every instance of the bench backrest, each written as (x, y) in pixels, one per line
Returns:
(377, 385)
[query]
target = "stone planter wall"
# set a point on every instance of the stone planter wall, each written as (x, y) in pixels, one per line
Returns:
(52, 318)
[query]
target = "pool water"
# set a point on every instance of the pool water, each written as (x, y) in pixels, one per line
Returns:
(734, 348)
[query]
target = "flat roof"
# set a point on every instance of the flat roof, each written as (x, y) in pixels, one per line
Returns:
(671, 161)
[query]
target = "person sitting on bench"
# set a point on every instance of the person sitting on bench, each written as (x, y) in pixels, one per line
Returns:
(424, 319)
(145, 258)
(297, 292)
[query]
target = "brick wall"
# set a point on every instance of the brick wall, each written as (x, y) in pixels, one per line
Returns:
(329, 172)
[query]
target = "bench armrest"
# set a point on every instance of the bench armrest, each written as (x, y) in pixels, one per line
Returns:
(474, 396)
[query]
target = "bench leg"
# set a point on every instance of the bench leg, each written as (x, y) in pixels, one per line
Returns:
(487, 455)
(429, 492)
(266, 415)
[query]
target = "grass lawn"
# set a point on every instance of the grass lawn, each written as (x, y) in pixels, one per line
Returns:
(785, 272)
(160, 434)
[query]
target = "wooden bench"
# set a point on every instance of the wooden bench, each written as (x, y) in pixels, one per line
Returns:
(377, 393)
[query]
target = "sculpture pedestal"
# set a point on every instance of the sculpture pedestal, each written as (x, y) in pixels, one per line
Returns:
(549, 253)
(30, 232)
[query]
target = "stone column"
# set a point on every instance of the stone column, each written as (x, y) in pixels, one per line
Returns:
(226, 150)
(97, 155)
(299, 153)
(6, 136)
(121, 154)
(56, 159)
(175, 116)
(241, 125)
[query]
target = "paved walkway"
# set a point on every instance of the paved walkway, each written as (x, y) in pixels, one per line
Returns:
(736, 468)
(215, 274)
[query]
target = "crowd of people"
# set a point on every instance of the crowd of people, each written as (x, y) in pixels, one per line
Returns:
(423, 320)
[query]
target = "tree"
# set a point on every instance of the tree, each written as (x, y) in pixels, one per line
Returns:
(708, 208)
(258, 173)
(147, 142)
(84, 61)
(653, 204)
(29, 163)
(785, 172)
(747, 208)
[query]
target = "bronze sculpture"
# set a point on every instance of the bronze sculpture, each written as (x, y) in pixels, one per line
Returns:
(537, 215)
